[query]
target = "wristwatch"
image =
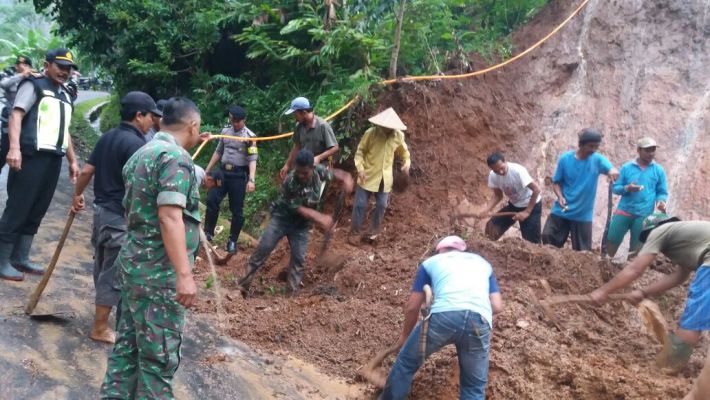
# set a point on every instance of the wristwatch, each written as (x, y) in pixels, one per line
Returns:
(251, 180)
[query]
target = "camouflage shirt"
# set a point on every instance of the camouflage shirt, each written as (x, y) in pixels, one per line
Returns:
(294, 194)
(160, 173)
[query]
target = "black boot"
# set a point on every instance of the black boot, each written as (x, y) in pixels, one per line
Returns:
(20, 258)
(232, 246)
(7, 271)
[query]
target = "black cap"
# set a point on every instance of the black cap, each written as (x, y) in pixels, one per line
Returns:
(161, 104)
(139, 102)
(238, 112)
(589, 135)
(23, 60)
(304, 158)
(61, 56)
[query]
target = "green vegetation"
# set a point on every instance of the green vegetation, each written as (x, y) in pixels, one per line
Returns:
(263, 53)
(83, 134)
(25, 32)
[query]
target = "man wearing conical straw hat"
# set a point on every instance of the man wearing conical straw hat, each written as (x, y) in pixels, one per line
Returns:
(374, 161)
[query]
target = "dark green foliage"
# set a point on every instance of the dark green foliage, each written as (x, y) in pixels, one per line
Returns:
(263, 53)
(83, 134)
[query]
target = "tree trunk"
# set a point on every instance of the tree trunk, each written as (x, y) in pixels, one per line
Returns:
(397, 38)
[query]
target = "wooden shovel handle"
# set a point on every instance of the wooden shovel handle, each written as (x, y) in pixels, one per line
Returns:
(498, 214)
(577, 298)
(34, 299)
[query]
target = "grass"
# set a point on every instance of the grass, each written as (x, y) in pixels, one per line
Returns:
(83, 135)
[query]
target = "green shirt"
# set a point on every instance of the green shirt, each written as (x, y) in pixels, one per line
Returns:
(317, 139)
(158, 174)
(294, 194)
(686, 243)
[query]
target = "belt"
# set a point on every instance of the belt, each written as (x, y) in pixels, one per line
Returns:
(232, 167)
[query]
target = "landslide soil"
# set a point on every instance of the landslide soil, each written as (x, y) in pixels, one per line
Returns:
(630, 68)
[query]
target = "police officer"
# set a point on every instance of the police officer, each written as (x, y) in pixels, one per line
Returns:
(35, 158)
(155, 263)
(105, 163)
(238, 163)
(9, 84)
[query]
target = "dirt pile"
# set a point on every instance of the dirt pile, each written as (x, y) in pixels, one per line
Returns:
(347, 313)
(631, 68)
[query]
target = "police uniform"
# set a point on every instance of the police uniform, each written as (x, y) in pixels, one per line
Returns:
(286, 221)
(235, 156)
(147, 350)
(44, 139)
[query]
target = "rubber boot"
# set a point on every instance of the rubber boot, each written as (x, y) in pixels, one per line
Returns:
(675, 354)
(6, 269)
(20, 258)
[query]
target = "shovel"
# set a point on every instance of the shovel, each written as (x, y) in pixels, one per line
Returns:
(329, 234)
(34, 299)
(609, 206)
(219, 259)
(371, 371)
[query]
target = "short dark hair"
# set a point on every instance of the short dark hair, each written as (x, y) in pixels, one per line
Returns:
(304, 158)
(494, 158)
(589, 135)
(128, 114)
(177, 111)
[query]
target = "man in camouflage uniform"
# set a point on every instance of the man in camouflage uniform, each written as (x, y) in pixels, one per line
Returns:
(155, 263)
(291, 214)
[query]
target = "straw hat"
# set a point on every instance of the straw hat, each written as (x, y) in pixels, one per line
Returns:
(388, 119)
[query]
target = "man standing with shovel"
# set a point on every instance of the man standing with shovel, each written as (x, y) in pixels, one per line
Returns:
(687, 244)
(466, 298)
(39, 138)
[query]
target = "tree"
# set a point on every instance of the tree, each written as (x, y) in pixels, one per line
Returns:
(397, 40)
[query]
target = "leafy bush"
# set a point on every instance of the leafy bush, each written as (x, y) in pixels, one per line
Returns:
(263, 53)
(84, 135)
(110, 114)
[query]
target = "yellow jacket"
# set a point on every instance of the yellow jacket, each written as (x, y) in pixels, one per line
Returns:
(375, 155)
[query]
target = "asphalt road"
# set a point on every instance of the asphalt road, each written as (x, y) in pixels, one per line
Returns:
(54, 359)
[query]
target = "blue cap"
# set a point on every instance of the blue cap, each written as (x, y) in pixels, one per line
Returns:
(299, 103)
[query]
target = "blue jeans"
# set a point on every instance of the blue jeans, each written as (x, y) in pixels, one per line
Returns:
(362, 197)
(468, 331)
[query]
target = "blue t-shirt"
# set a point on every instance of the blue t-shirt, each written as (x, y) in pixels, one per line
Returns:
(655, 188)
(578, 180)
(460, 281)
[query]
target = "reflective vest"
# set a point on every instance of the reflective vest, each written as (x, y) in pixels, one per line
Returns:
(45, 126)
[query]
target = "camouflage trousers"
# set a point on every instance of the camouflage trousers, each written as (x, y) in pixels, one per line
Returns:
(147, 350)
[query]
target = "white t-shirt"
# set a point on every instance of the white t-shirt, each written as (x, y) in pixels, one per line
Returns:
(513, 184)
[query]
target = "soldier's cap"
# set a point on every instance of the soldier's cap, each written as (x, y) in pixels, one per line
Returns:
(652, 222)
(646, 142)
(238, 112)
(139, 102)
(61, 56)
(299, 103)
(23, 60)
(160, 105)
